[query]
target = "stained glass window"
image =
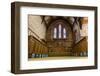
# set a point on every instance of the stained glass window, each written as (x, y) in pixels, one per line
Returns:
(59, 32)
(64, 33)
(55, 33)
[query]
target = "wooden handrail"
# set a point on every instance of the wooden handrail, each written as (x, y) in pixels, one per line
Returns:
(80, 40)
(29, 29)
(38, 40)
(80, 44)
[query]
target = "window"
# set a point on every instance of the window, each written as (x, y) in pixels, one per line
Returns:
(64, 33)
(55, 33)
(59, 32)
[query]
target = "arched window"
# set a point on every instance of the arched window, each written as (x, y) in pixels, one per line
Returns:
(59, 32)
(55, 33)
(64, 33)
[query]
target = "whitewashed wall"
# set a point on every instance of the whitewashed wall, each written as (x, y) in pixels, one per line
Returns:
(36, 26)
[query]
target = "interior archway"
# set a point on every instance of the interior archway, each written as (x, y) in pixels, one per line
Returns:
(59, 38)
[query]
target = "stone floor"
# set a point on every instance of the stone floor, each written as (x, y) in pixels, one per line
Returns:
(56, 58)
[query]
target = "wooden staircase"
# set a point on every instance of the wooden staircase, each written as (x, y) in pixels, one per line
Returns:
(80, 48)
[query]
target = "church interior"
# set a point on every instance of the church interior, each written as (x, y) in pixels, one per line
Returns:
(57, 36)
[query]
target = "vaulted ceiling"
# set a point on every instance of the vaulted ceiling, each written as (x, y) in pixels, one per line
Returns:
(71, 20)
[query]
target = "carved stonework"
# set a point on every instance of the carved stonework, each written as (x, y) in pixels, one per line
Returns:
(59, 47)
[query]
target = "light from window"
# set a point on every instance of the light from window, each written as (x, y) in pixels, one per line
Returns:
(55, 33)
(64, 33)
(60, 31)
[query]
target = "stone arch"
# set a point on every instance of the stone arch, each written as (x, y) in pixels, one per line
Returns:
(59, 47)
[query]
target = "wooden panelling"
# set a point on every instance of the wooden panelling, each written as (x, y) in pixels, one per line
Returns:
(80, 47)
(36, 47)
